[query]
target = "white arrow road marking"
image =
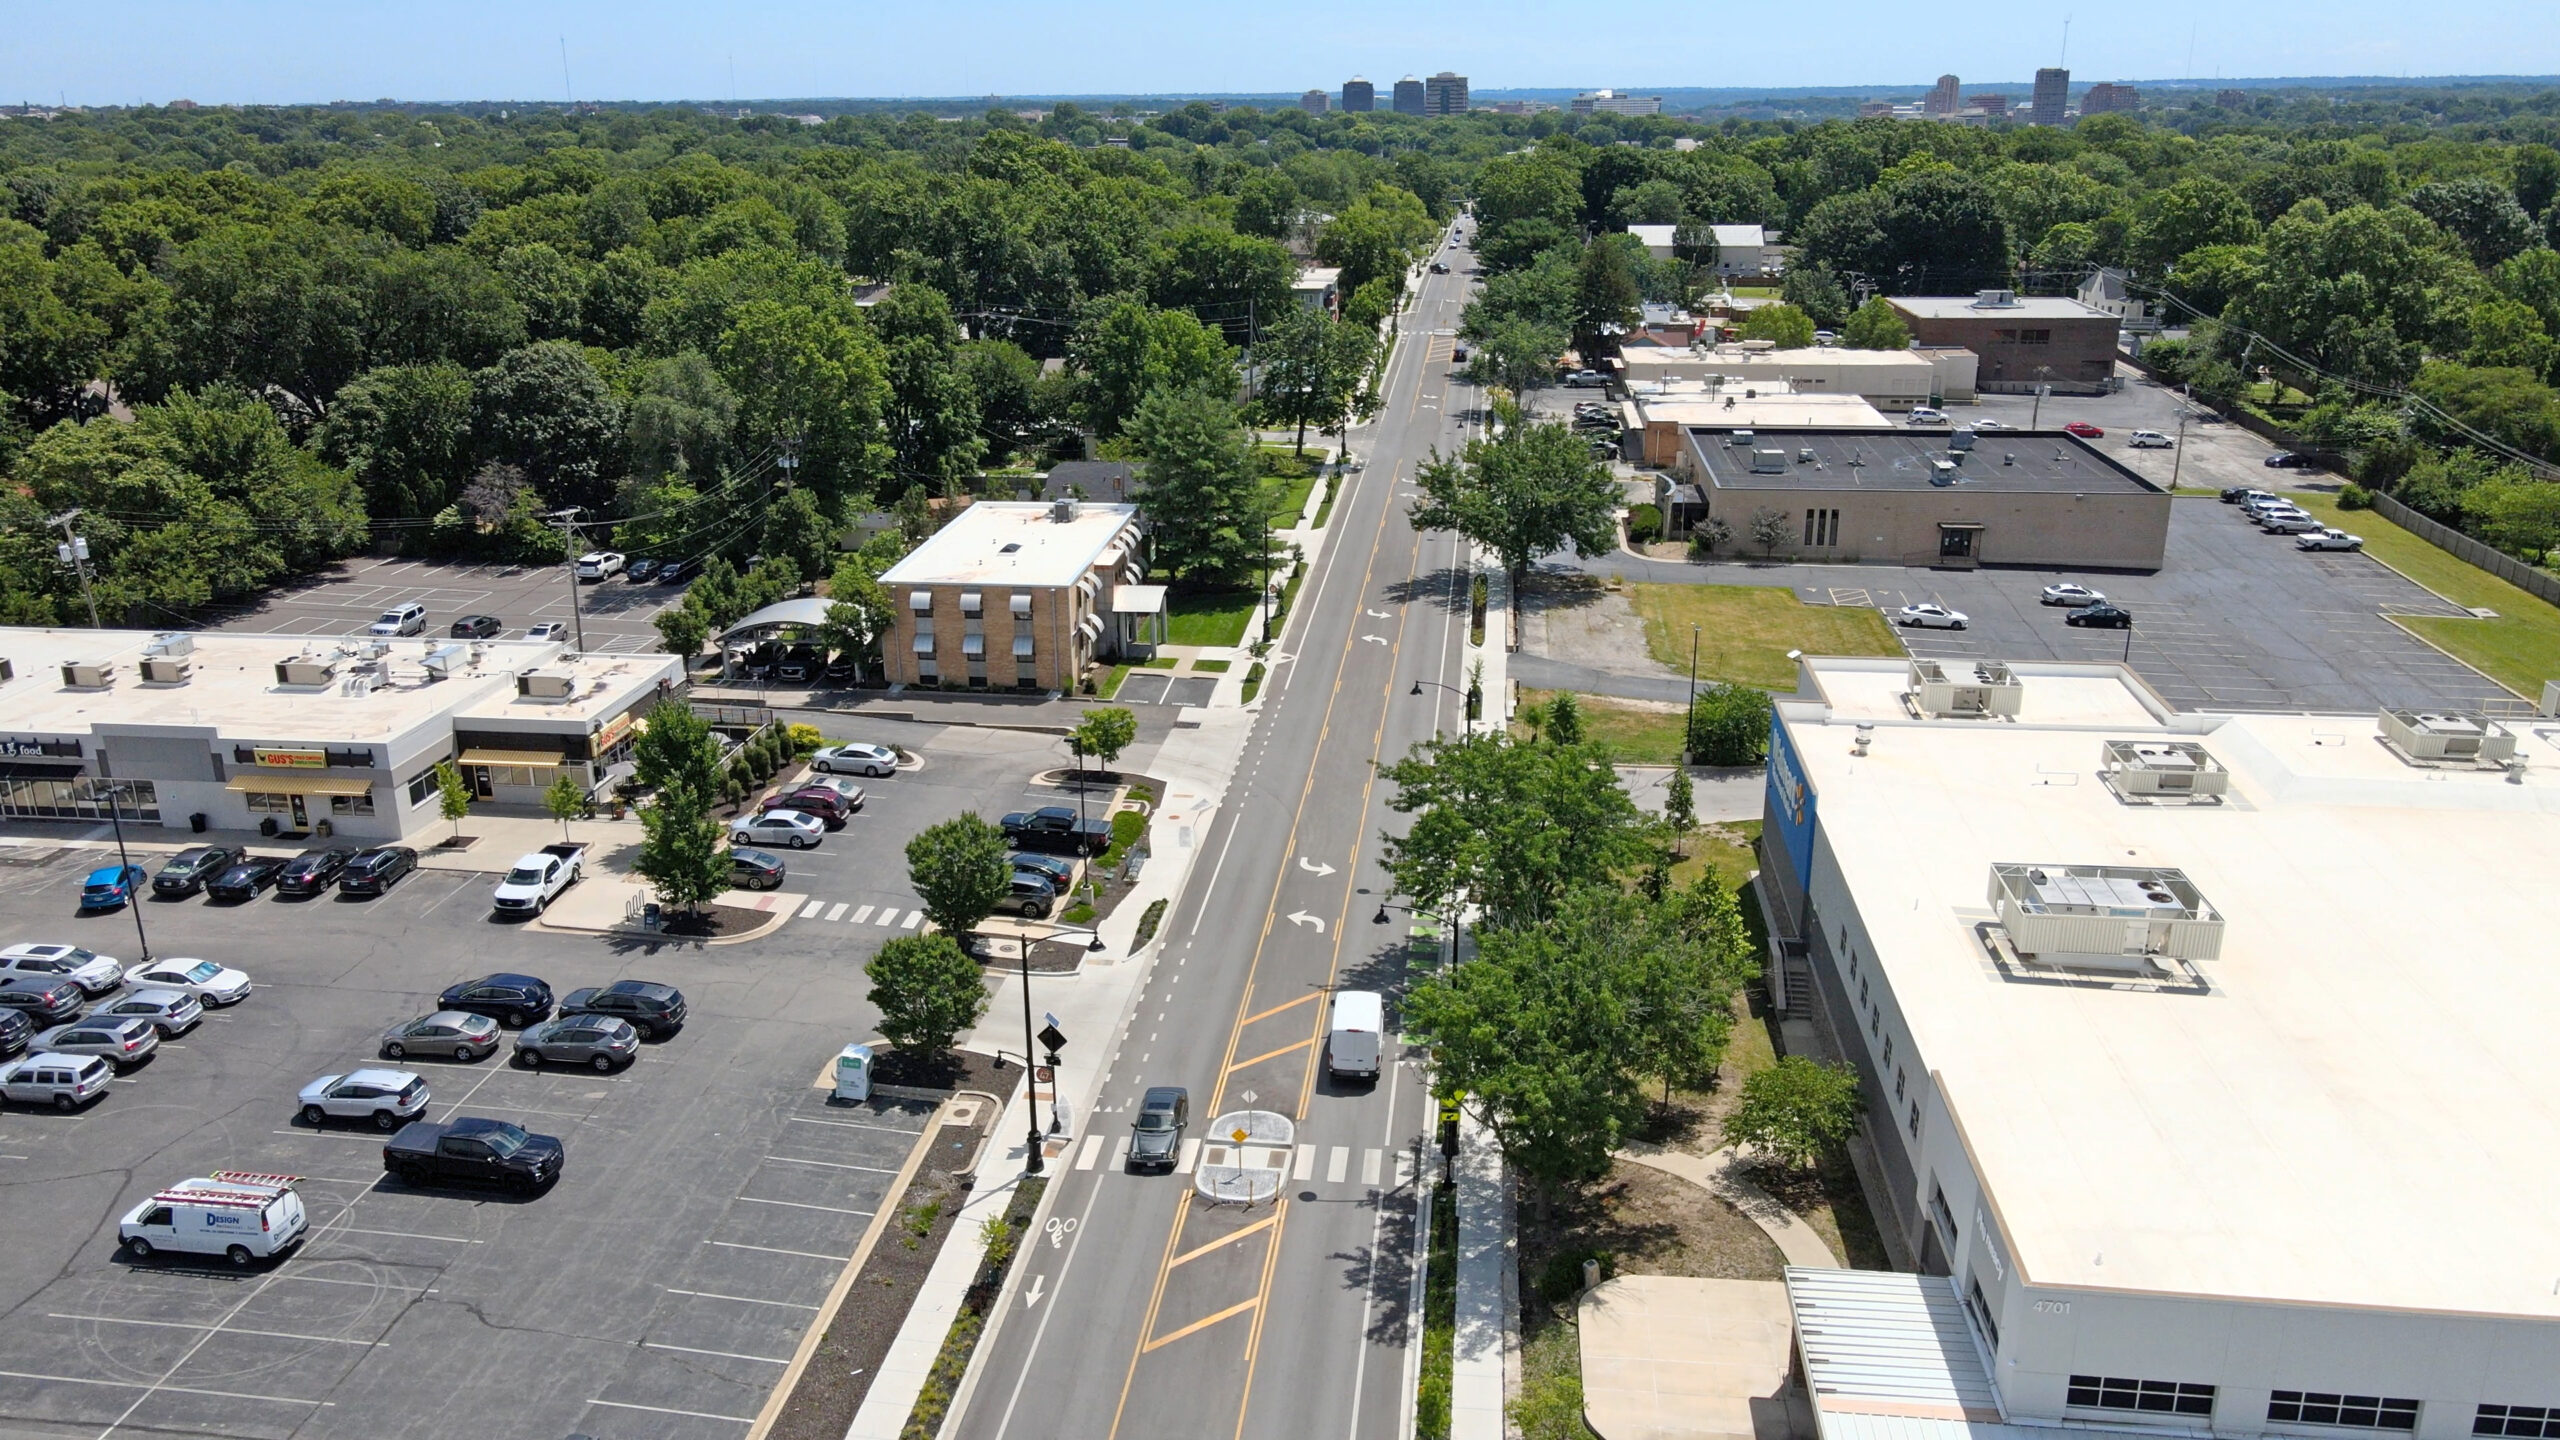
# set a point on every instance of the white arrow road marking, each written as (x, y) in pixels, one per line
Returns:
(1375, 614)
(1301, 917)
(1375, 639)
(1313, 868)
(1032, 1297)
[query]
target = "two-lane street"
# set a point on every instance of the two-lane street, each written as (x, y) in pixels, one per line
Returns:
(1165, 1315)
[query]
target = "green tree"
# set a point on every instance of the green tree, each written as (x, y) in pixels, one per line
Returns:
(680, 846)
(1508, 827)
(1688, 957)
(545, 410)
(959, 872)
(2519, 516)
(1605, 297)
(1768, 529)
(1729, 725)
(1819, 294)
(1519, 355)
(1680, 806)
(1876, 325)
(859, 609)
(683, 418)
(1215, 273)
(453, 795)
(1526, 204)
(676, 748)
(405, 430)
(1796, 1111)
(2480, 214)
(932, 415)
(1104, 733)
(927, 990)
(1564, 720)
(1529, 491)
(1006, 381)
(566, 800)
(2189, 215)
(1310, 362)
(1201, 485)
(681, 630)
(1782, 324)
(1128, 350)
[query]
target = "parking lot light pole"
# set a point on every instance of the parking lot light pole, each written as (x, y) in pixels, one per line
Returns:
(124, 865)
(1032, 1163)
(569, 539)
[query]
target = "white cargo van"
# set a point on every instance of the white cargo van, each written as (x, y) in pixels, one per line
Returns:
(1359, 1018)
(231, 1213)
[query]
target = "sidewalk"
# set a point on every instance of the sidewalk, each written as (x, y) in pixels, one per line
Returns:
(1481, 1358)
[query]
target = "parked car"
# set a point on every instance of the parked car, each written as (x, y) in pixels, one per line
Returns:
(399, 620)
(655, 1010)
(2256, 506)
(2150, 440)
(2236, 494)
(549, 630)
(15, 1031)
(1587, 380)
(2325, 538)
(2290, 522)
(375, 871)
(109, 886)
(538, 879)
(840, 671)
(473, 1150)
(186, 871)
(1155, 1137)
(853, 794)
(1056, 827)
(385, 1097)
(756, 869)
(512, 1000)
(2067, 593)
(446, 1032)
(243, 878)
(2084, 430)
(313, 871)
(855, 758)
(44, 999)
(640, 569)
(477, 627)
(1927, 415)
(1928, 614)
(2287, 460)
(215, 985)
(595, 1040)
(1061, 871)
(2101, 617)
(820, 800)
(172, 1012)
(123, 1041)
(94, 973)
(599, 565)
(1032, 896)
(65, 1082)
(231, 1213)
(794, 828)
(676, 572)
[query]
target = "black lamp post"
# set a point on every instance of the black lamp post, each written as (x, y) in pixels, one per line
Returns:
(124, 865)
(1467, 697)
(1037, 1139)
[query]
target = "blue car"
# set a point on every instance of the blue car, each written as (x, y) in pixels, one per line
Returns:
(110, 886)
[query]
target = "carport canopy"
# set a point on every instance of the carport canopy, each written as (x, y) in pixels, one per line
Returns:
(804, 613)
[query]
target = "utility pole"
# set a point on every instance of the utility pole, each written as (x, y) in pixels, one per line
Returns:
(1690, 719)
(74, 552)
(569, 540)
(2177, 456)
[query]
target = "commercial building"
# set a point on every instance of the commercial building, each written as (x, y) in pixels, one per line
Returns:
(1611, 102)
(2023, 340)
(1942, 96)
(1655, 418)
(1021, 595)
(1408, 96)
(2104, 96)
(1445, 94)
(1742, 251)
(1315, 102)
(1359, 96)
(2191, 1126)
(1989, 106)
(292, 734)
(2052, 97)
(1891, 380)
(1319, 287)
(1925, 497)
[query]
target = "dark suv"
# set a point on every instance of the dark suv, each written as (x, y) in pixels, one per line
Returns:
(44, 999)
(656, 1011)
(376, 870)
(313, 871)
(1155, 1138)
(511, 1000)
(16, 1028)
(187, 870)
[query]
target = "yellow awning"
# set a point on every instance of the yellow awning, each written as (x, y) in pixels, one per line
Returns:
(269, 783)
(514, 757)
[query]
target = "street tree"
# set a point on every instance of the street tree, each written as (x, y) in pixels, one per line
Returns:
(1310, 364)
(1796, 1111)
(680, 851)
(1680, 806)
(1518, 355)
(453, 795)
(1104, 733)
(1529, 491)
(681, 630)
(1605, 297)
(1781, 324)
(1876, 325)
(1768, 530)
(677, 748)
(927, 990)
(566, 800)
(1689, 958)
(959, 871)
(1201, 485)
(1506, 827)
(1128, 350)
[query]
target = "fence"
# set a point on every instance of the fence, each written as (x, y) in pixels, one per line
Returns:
(2540, 584)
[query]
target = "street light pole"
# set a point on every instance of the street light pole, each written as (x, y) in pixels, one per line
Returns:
(124, 863)
(1690, 718)
(1463, 707)
(1031, 1068)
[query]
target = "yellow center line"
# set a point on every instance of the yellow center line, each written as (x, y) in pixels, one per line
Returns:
(1204, 1322)
(1265, 1015)
(1271, 1054)
(1187, 1256)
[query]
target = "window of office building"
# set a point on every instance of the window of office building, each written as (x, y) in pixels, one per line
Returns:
(2354, 1412)
(1945, 1215)
(1978, 1306)
(422, 785)
(351, 804)
(2539, 1421)
(2159, 1397)
(1914, 1125)
(1821, 528)
(1898, 1078)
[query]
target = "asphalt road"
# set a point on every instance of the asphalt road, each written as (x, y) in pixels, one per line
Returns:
(1166, 1316)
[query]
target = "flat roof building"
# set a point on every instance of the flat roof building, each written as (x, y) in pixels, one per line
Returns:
(1894, 380)
(1612, 102)
(2023, 340)
(1359, 96)
(1445, 94)
(281, 733)
(2192, 1127)
(1315, 102)
(1020, 595)
(1409, 96)
(1741, 250)
(2052, 97)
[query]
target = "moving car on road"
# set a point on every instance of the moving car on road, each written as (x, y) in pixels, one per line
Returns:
(65, 1082)
(855, 758)
(2067, 593)
(94, 973)
(243, 878)
(375, 871)
(385, 1097)
(109, 886)
(599, 1041)
(1930, 615)
(187, 870)
(1359, 1026)
(172, 1012)
(1155, 1137)
(512, 1000)
(2326, 538)
(477, 627)
(655, 1010)
(215, 985)
(313, 871)
(794, 828)
(473, 1150)
(446, 1032)
(2084, 430)
(2101, 617)
(123, 1041)
(232, 1213)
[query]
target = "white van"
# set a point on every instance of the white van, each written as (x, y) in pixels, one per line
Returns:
(1359, 1020)
(232, 1213)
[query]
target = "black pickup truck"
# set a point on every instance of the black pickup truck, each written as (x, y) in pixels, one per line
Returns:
(1055, 827)
(470, 1150)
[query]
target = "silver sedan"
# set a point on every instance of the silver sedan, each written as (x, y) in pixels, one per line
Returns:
(598, 1040)
(446, 1032)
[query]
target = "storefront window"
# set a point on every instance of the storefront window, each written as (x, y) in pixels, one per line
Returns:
(77, 799)
(263, 803)
(351, 804)
(522, 776)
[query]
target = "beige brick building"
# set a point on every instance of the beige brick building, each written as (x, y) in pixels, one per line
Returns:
(1021, 595)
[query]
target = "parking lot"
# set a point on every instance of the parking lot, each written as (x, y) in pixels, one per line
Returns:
(2213, 453)
(615, 613)
(711, 1196)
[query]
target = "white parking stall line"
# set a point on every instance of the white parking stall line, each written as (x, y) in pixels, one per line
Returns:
(1337, 1166)
(797, 1205)
(663, 1410)
(829, 1164)
(851, 1125)
(770, 1250)
(837, 913)
(225, 1329)
(1370, 1164)
(327, 1135)
(406, 1235)
(740, 1299)
(914, 918)
(859, 915)
(812, 908)
(889, 916)
(163, 1389)
(723, 1354)
(1190, 1157)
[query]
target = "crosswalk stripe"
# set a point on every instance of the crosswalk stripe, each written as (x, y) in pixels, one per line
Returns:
(889, 916)
(859, 915)
(1404, 1168)
(1337, 1165)
(1092, 1151)
(1190, 1156)
(1369, 1166)
(914, 918)
(837, 912)
(1120, 1154)
(813, 908)
(1306, 1163)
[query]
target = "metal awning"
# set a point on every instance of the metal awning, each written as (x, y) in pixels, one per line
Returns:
(268, 783)
(920, 601)
(1020, 602)
(1021, 647)
(1137, 599)
(1091, 629)
(513, 757)
(924, 643)
(972, 600)
(973, 644)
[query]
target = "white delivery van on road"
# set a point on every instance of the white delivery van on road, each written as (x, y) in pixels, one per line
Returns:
(231, 1213)
(1359, 1020)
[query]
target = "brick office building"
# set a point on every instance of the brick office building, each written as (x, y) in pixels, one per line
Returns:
(2023, 340)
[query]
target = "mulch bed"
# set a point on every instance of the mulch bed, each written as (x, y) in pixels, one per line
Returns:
(713, 922)
(942, 1070)
(1048, 957)
(858, 1335)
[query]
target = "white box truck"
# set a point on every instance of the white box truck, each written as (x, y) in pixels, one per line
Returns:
(232, 1213)
(1352, 1047)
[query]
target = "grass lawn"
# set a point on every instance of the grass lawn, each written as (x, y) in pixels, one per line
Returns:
(2520, 649)
(1745, 631)
(1110, 685)
(1211, 667)
(1288, 499)
(1756, 292)
(1729, 850)
(1209, 617)
(1634, 732)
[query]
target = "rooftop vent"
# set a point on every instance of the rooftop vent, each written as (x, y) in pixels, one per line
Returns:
(174, 644)
(1982, 690)
(1739, 439)
(546, 684)
(1768, 462)
(307, 670)
(2153, 772)
(165, 670)
(2104, 915)
(80, 675)
(1961, 441)
(1062, 510)
(8, 671)
(1995, 300)
(441, 661)
(2451, 739)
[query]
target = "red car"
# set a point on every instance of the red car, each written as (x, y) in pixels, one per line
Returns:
(2084, 430)
(828, 805)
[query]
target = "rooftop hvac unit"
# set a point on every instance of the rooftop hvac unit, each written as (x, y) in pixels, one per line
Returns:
(1768, 462)
(1980, 690)
(8, 672)
(442, 659)
(80, 675)
(1062, 510)
(1961, 440)
(1995, 299)
(307, 670)
(1739, 439)
(2147, 771)
(2104, 915)
(175, 644)
(2459, 738)
(546, 684)
(165, 670)
(1942, 472)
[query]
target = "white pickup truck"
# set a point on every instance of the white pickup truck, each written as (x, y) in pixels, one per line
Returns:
(538, 879)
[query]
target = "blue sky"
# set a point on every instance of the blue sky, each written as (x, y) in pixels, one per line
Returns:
(275, 51)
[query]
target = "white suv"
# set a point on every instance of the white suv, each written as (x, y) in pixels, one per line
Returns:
(599, 565)
(409, 619)
(385, 1097)
(94, 973)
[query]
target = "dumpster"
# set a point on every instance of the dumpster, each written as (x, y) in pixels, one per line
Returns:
(853, 1073)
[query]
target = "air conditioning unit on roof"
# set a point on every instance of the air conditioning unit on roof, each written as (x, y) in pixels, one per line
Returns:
(546, 684)
(2104, 915)
(2457, 739)
(2146, 772)
(1980, 690)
